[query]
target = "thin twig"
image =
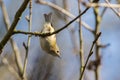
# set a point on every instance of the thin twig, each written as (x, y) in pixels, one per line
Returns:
(13, 44)
(104, 46)
(64, 12)
(81, 41)
(117, 13)
(29, 38)
(89, 55)
(13, 25)
(101, 5)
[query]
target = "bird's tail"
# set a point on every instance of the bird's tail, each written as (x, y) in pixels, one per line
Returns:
(48, 17)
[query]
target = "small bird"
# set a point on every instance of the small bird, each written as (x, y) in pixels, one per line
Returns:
(48, 43)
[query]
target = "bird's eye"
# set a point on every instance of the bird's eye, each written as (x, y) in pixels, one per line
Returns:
(57, 51)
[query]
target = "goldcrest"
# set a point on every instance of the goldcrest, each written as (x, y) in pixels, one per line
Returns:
(49, 44)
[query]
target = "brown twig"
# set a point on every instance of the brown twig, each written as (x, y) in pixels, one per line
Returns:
(89, 55)
(13, 25)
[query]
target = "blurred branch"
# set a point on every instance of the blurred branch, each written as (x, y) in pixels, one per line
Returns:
(5, 15)
(72, 30)
(93, 64)
(101, 5)
(64, 12)
(13, 25)
(29, 38)
(90, 53)
(117, 13)
(10, 68)
(81, 53)
(104, 11)
(13, 44)
(66, 7)
(103, 46)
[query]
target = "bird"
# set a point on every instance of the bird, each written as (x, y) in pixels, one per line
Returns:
(49, 43)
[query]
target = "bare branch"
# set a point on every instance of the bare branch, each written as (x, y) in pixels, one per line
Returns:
(13, 44)
(13, 25)
(90, 53)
